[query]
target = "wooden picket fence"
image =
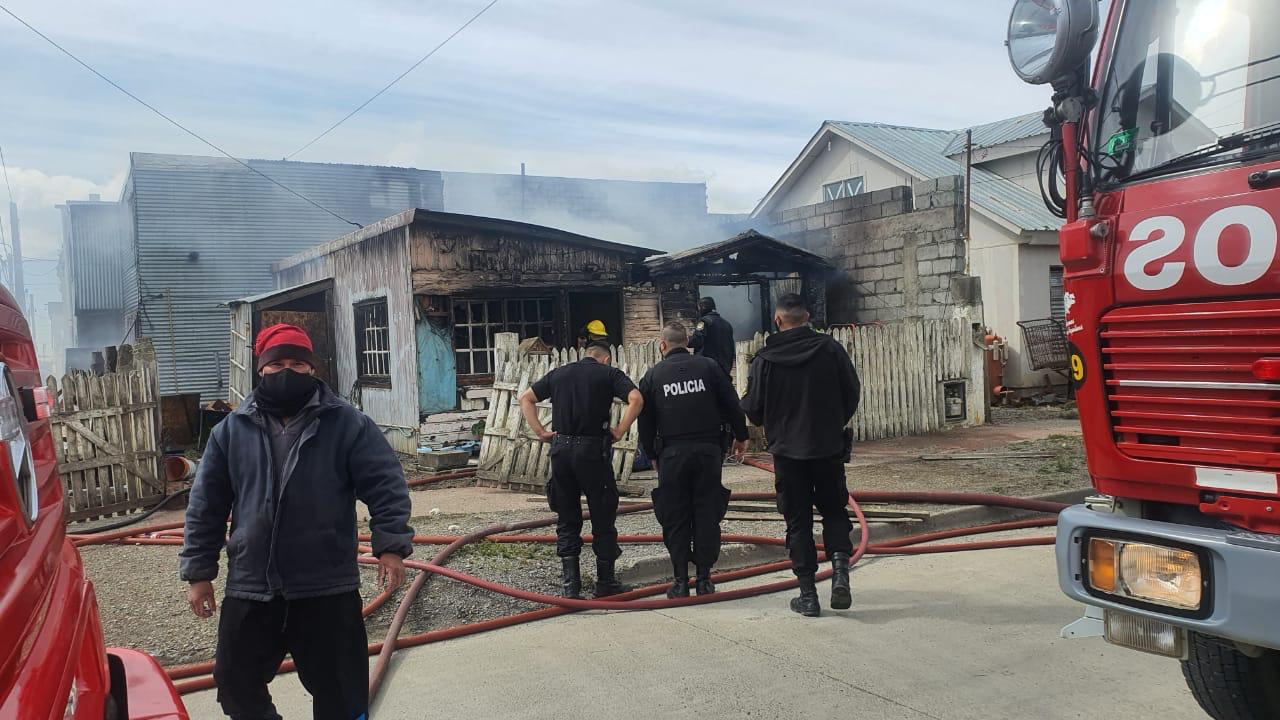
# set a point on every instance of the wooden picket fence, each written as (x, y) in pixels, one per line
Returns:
(511, 454)
(106, 436)
(902, 366)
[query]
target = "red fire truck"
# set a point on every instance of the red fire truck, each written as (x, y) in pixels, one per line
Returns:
(53, 665)
(1164, 163)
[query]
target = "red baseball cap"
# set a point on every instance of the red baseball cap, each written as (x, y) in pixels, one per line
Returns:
(280, 342)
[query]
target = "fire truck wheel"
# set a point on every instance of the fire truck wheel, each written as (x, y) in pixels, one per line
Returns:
(1230, 685)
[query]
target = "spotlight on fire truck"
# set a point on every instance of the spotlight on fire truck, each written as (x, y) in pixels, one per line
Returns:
(1050, 39)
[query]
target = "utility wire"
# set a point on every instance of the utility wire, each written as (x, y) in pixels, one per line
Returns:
(171, 121)
(398, 78)
(5, 165)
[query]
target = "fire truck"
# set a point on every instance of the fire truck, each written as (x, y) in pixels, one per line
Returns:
(53, 663)
(1164, 163)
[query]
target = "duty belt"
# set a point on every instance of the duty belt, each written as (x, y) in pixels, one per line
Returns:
(580, 439)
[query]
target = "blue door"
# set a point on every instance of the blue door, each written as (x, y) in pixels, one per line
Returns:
(437, 379)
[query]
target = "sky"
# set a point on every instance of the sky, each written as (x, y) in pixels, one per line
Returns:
(715, 91)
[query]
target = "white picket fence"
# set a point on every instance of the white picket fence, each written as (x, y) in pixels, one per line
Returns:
(902, 367)
(510, 453)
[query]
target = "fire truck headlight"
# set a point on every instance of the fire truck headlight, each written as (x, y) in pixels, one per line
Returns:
(1147, 573)
(1161, 575)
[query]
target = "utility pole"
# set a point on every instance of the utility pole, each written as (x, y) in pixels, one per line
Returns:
(15, 262)
(524, 213)
(968, 195)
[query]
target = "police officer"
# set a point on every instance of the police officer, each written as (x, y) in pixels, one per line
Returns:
(687, 400)
(582, 396)
(713, 336)
(803, 390)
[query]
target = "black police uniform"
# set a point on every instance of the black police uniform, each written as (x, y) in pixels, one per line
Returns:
(581, 397)
(687, 400)
(713, 338)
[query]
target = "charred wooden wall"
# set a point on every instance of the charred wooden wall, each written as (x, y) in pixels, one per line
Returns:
(449, 261)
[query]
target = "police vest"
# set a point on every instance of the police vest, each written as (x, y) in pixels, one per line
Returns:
(684, 397)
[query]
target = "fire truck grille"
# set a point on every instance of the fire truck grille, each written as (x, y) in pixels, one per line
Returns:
(1180, 383)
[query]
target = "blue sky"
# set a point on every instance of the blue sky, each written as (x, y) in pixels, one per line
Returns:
(715, 91)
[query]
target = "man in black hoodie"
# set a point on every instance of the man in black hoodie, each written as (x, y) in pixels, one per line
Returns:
(803, 390)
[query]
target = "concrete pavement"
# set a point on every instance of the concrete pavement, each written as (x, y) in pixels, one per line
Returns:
(959, 636)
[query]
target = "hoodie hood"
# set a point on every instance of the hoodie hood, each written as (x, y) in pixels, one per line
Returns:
(793, 347)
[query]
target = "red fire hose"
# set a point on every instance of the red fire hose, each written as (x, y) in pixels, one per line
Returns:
(197, 676)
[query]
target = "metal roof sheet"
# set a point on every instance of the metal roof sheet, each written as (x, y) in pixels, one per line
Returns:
(1000, 132)
(923, 153)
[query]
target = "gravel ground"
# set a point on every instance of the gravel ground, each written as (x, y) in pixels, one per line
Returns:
(143, 603)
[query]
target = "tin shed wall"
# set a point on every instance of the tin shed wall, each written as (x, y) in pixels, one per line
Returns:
(207, 231)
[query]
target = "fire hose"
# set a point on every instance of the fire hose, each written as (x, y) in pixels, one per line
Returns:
(198, 676)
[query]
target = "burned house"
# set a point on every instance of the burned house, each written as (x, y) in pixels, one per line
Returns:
(405, 311)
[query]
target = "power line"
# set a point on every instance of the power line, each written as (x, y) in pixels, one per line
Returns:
(171, 121)
(5, 165)
(398, 78)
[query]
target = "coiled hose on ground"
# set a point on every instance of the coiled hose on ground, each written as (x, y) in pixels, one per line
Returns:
(198, 676)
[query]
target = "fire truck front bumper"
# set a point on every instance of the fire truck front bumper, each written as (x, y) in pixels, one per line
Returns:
(1152, 578)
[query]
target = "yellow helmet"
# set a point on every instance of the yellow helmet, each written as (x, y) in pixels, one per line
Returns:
(595, 327)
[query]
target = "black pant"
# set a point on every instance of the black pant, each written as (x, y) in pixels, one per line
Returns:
(326, 637)
(690, 502)
(801, 485)
(583, 466)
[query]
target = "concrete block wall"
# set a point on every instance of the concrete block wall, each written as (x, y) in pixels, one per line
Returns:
(899, 252)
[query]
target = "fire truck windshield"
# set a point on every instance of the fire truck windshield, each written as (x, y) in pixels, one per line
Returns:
(1183, 75)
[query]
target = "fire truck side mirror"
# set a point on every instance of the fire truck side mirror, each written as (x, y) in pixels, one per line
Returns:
(1050, 39)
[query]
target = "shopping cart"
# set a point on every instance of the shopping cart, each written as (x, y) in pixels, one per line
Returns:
(1045, 341)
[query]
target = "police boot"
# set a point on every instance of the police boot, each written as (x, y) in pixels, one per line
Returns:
(807, 604)
(572, 578)
(679, 588)
(841, 596)
(704, 585)
(606, 582)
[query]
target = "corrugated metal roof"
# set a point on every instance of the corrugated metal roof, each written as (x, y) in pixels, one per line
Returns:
(207, 230)
(94, 250)
(1000, 132)
(923, 153)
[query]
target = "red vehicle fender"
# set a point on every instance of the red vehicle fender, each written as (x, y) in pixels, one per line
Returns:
(151, 695)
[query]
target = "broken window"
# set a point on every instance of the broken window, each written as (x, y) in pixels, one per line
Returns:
(842, 189)
(373, 342)
(476, 322)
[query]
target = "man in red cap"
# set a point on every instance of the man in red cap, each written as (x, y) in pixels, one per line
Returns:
(288, 466)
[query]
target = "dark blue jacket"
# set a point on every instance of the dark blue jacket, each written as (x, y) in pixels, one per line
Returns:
(295, 538)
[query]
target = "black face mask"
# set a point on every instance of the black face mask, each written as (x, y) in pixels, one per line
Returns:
(284, 393)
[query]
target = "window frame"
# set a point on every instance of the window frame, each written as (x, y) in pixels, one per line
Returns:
(846, 188)
(465, 324)
(364, 355)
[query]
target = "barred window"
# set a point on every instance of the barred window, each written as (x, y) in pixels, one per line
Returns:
(475, 322)
(1057, 309)
(373, 342)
